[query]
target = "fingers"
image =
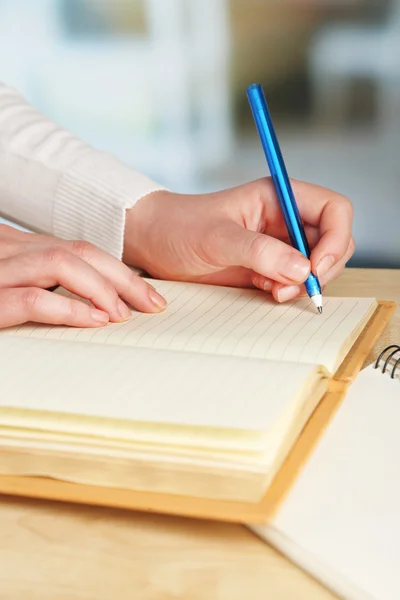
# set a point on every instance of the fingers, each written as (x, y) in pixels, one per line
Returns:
(262, 283)
(333, 215)
(283, 293)
(329, 270)
(137, 292)
(339, 267)
(55, 265)
(129, 286)
(328, 223)
(232, 245)
(20, 305)
(117, 279)
(327, 212)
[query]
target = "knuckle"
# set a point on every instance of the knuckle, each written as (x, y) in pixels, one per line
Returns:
(55, 255)
(73, 310)
(346, 204)
(129, 283)
(82, 249)
(30, 299)
(108, 292)
(133, 279)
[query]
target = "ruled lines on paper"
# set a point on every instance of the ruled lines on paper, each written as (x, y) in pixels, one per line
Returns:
(226, 321)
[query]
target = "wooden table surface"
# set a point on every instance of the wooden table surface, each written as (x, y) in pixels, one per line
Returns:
(57, 552)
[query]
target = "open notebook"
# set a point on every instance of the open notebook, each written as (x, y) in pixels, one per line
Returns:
(205, 399)
(341, 520)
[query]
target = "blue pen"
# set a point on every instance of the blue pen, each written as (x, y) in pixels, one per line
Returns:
(282, 185)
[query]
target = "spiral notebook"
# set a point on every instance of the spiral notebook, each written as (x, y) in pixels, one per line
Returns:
(341, 519)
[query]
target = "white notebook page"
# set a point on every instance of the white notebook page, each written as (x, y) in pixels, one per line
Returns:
(341, 521)
(231, 322)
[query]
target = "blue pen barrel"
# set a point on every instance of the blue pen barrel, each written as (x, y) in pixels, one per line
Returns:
(273, 155)
(277, 167)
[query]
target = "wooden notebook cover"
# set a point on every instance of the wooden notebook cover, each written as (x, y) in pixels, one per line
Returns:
(223, 510)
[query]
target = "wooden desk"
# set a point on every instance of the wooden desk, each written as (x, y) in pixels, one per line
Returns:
(56, 552)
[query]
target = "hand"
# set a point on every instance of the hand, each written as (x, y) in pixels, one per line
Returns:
(238, 237)
(30, 263)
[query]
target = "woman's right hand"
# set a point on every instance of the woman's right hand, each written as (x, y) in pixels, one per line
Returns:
(30, 263)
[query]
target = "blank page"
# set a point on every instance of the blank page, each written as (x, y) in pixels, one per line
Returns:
(232, 322)
(341, 520)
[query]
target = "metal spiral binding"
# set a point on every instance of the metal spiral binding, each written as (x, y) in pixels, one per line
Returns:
(391, 359)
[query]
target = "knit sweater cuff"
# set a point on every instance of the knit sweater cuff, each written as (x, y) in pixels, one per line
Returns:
(92, 198)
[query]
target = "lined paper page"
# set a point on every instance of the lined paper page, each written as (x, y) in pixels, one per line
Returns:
(142, 385)
(232, 322)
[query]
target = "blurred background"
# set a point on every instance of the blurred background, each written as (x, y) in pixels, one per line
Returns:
(161, 84)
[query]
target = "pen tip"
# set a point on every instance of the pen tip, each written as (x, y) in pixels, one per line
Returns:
(320, 310)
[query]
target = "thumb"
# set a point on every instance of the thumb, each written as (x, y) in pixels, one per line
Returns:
(261, 253)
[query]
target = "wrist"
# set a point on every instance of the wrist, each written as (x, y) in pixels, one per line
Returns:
(138, 223)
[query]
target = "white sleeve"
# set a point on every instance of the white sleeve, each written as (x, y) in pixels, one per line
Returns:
(52, 182)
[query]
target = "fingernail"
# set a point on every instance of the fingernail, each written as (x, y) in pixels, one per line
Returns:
(262, 283)
(123, 310)
(297, 268)
(267, 285)
(99, 316)
(288, 292)
(324, 265)
(158, 301)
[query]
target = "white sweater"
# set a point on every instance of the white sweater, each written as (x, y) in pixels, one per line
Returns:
(52, 182)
